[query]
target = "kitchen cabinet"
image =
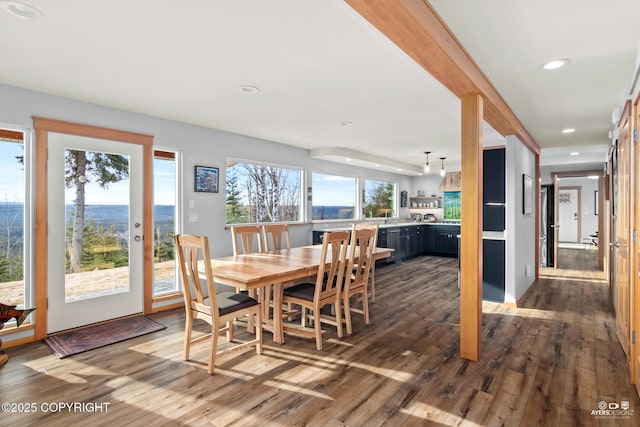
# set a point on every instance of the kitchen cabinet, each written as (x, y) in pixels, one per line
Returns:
(494, 190)
(442, 239)
(493, 273)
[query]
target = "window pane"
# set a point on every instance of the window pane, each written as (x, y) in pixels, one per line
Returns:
(334, 196)
(379, 198)
(262, 193)
(164, 222)
(97, 219)
(12, 198)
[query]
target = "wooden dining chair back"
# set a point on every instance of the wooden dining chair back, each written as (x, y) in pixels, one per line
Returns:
(276, 236)
(247, 239)
(372, 272)
(327, 288)
(202, 302)
(356, 286)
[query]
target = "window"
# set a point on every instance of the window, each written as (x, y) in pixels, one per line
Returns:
(13, 227)
(164, 222)
(262, 193)
(334, 196)
(379, 197)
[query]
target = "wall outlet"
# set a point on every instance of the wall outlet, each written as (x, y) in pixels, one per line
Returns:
(528, 270)
(193, 217)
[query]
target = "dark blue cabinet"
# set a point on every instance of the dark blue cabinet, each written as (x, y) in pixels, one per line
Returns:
(493, 260)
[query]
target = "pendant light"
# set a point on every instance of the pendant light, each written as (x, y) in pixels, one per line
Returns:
(427, 168)
(442, 171)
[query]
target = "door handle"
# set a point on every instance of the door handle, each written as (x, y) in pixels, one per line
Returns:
(137, 238)
(614, 245)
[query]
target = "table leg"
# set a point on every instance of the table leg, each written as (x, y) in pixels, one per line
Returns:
(278, 334)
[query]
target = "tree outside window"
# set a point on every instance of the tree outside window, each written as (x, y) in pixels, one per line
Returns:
(262, 193)
(379, 199)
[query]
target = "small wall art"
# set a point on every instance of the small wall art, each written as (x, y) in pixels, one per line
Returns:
(206, 179)
(527, 194)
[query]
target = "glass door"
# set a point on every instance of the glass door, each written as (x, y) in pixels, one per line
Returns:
(95, 215)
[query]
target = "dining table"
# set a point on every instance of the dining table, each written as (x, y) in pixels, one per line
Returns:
(257, 271)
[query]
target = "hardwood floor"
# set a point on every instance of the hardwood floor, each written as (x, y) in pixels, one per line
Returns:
(549, 363)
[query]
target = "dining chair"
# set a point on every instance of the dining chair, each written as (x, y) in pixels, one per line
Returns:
(326, 290)
(249, 237)
(200, 302)
(359, 264)
(276, 236)
(372, 272)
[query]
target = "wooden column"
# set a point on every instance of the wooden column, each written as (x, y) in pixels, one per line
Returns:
(471, 228)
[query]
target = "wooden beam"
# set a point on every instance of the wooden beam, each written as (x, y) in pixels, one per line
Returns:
(11, 135)
(471, 228)
(40, 238)
(415, 27)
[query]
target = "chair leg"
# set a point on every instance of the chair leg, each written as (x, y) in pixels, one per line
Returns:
(187, 337)
(230, 330)
(365, 307)
(214, 348)
(318, 327)
(339, 318)
(259, 332)
(347, 314)
(372, 276)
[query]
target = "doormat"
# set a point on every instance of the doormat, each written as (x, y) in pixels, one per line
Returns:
(84, 339)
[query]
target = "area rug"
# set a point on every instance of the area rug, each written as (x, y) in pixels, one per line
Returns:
(84, 339)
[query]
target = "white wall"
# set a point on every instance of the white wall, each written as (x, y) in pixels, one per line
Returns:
(520, 228)
(198, 145)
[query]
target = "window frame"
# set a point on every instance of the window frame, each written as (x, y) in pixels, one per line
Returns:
(357, 205)
(393, 203)
(301, 172)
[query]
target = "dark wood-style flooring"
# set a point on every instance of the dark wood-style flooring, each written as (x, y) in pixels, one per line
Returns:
(548, 363)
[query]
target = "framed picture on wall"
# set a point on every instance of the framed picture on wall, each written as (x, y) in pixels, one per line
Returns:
(527, 194)
(206, 179)
(595, 200)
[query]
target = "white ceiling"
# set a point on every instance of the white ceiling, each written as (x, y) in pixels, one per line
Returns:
(318, 64)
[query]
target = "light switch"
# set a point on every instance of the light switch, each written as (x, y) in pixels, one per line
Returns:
(193, 217)
(192, 204)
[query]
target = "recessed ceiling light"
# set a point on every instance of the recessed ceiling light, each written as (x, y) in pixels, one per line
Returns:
(346, 123)
(377, 165)
(575, 153)
(593, 177)
(555, 64)
(249, 89)
(348, 159)
(568, 130)
(20, 10)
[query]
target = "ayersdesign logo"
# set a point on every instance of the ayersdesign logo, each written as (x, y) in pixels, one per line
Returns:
(613, 410)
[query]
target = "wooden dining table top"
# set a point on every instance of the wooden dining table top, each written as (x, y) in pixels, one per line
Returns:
(252, 271)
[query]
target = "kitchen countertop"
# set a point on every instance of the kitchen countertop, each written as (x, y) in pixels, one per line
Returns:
(397, 224)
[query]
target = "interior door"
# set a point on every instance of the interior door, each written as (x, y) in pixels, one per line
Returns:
(623, 238)
(569, 214)
(95, 244)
